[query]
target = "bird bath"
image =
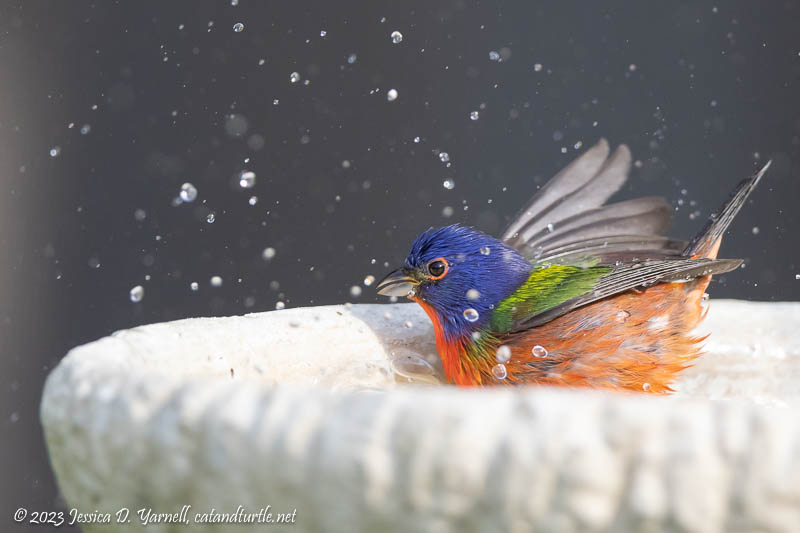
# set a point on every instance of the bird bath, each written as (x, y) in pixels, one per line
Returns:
(310, 411)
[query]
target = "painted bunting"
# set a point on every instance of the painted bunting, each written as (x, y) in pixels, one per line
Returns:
(575, 292)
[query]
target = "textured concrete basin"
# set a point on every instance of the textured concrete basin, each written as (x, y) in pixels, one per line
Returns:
(335, 414)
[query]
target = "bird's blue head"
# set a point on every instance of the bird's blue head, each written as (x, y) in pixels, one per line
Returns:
(461, 273)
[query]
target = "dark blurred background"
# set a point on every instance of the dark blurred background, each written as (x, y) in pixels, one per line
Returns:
(107, 108)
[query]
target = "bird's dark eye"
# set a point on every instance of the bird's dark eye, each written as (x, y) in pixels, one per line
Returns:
(438, 268)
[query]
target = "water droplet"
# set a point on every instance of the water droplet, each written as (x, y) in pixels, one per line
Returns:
(137, 293)
(85, 129)
(276, 101)
(539, 351)
(797, 276)
(474, 115)
(444, 157)
(294, 77)
(503, 354)
(216, 281)
(494, 56)
(473, 294)
(239, 27)
(416, 139)
(447, 211)
(55, 151)
(449, 184)
(323, 33)
(253, 200)
(413, 368)
(234, 3)
(756, 230)
(537, 67)
(211, 218)
(369, 280)
(352, 58)
(391, 95)
(397, 37)
(188, 192)
(268, 253)
(499, 371)
(485, 250)
(470, 314)
(279, 305)
(646, 387)
(194, 286)
(355, 291)
(247, 179)
(550, 227)
(622, 316)
(408, 324)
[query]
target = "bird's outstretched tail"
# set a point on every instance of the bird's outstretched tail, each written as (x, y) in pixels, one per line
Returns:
(706, 243)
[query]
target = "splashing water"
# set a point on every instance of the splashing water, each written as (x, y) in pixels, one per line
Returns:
(188, 192)
(137, 293)
(247, 179)
(499, 371)
(503, 354)
(539, 351)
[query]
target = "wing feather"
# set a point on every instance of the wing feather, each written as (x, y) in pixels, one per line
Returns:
(631, 276)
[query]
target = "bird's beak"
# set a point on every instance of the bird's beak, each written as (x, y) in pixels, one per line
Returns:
(397, 283)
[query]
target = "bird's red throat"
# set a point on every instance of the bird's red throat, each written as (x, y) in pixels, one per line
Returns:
(458, 369)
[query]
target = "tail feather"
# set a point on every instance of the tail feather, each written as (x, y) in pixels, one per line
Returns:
(706, 243)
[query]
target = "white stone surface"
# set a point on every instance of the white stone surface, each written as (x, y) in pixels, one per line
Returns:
(302, 409)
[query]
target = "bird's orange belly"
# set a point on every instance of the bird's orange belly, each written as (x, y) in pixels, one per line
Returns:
(638, 340)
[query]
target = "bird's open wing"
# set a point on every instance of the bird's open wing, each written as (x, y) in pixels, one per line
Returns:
(568, 213)
(583, 251)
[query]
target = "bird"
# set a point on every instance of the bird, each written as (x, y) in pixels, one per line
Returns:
(576, 292)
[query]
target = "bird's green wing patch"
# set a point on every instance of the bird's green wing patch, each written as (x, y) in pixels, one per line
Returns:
(557, 289)
(546, 287)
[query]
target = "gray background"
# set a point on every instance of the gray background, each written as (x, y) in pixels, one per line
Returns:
(703, 95)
